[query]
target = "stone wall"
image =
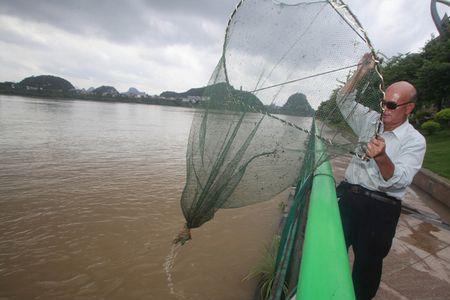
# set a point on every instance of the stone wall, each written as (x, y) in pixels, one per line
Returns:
(436, 186)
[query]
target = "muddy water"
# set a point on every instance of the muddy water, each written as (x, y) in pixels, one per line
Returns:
(89, 204)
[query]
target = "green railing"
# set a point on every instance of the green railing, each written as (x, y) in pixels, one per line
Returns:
(288, 257)
(325, 270)
(312, 260)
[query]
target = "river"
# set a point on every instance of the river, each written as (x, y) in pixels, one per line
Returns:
(89, 205)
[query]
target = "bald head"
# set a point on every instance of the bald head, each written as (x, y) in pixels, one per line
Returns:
(402, 90)
(404, 94)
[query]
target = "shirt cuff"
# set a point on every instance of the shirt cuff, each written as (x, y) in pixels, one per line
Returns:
(396, 182)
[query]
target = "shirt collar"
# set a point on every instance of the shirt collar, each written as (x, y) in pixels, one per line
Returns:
(401, 130)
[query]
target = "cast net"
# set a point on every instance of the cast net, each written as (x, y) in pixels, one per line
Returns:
(281, 69)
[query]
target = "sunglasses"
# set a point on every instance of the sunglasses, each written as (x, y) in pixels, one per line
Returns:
(392, 105)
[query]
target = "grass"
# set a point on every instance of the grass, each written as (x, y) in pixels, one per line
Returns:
(265, 271)
(437, 157)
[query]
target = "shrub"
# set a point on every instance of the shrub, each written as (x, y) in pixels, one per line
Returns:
(444, 115)
(422, 116)
(430, 127)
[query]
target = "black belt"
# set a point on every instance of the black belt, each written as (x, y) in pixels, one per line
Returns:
(379, 196)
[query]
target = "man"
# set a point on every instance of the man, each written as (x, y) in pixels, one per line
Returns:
(370, 196)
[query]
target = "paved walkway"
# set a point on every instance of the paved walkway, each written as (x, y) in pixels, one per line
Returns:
(418, 265)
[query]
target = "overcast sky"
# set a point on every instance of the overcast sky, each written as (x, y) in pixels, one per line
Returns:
(159, 45)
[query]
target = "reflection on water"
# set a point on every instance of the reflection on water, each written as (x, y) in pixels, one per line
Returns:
(89, 205)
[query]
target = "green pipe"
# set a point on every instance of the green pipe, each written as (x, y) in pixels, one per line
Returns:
(324, 269)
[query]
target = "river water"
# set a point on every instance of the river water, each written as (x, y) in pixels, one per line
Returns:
(89, 205)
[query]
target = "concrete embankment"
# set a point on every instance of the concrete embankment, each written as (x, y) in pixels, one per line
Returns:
(436, 186)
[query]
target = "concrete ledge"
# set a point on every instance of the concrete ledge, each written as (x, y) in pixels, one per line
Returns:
(436, 186)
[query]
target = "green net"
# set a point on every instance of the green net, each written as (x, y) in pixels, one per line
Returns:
(283, 64)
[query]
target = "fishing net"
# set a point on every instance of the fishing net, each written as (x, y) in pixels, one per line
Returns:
(281, 70)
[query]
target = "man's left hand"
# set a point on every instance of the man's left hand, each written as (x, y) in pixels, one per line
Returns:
(376, 147)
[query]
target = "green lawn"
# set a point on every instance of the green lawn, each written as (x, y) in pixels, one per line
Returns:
(437, 157)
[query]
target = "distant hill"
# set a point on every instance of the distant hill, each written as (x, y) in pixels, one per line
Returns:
(221, 95)
(105, 90)
(217, 96)
(46, 82)
(133, 92)
(192, 92)
(297, 105)
(7, 85)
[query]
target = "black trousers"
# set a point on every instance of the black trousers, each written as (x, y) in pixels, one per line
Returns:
(369, 227)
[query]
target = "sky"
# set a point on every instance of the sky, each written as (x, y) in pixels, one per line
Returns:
(160, 45)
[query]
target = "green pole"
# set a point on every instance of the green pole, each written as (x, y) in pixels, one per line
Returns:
(324, 269)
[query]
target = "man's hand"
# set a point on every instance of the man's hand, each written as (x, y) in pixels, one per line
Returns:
(376, 147)
(366, 63)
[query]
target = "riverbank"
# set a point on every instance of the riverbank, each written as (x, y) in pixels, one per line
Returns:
(152, 100)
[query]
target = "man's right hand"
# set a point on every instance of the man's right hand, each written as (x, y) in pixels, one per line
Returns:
(366, 64)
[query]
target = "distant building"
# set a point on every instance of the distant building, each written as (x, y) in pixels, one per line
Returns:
(194, 99)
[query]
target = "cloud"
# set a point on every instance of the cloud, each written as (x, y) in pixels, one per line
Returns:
(89, 61)
(151, 45)
(398, 26)
(150, 22)
(158, 45)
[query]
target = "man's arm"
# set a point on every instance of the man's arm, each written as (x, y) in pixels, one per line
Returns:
(355, 114)
(376, 149)
(366, 64)
(399, 173)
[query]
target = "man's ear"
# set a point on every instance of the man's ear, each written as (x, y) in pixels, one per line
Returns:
(410, 107)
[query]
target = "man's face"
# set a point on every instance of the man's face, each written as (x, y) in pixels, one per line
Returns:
(393, 118)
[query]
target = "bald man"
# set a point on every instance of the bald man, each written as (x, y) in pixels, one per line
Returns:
(370, 196)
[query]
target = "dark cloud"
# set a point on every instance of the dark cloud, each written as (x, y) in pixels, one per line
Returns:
(9, 36)
(148, 22)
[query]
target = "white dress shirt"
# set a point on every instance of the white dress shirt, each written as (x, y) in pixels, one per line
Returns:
(405, 147)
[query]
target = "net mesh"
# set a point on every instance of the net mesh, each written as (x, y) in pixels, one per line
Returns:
(282, 67)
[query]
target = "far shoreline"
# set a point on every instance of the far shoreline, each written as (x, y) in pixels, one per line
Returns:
(147, 100)
(158, 101)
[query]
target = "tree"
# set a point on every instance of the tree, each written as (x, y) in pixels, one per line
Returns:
(428, 70)
(402, 67)
(433, 77)
(434, 83)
